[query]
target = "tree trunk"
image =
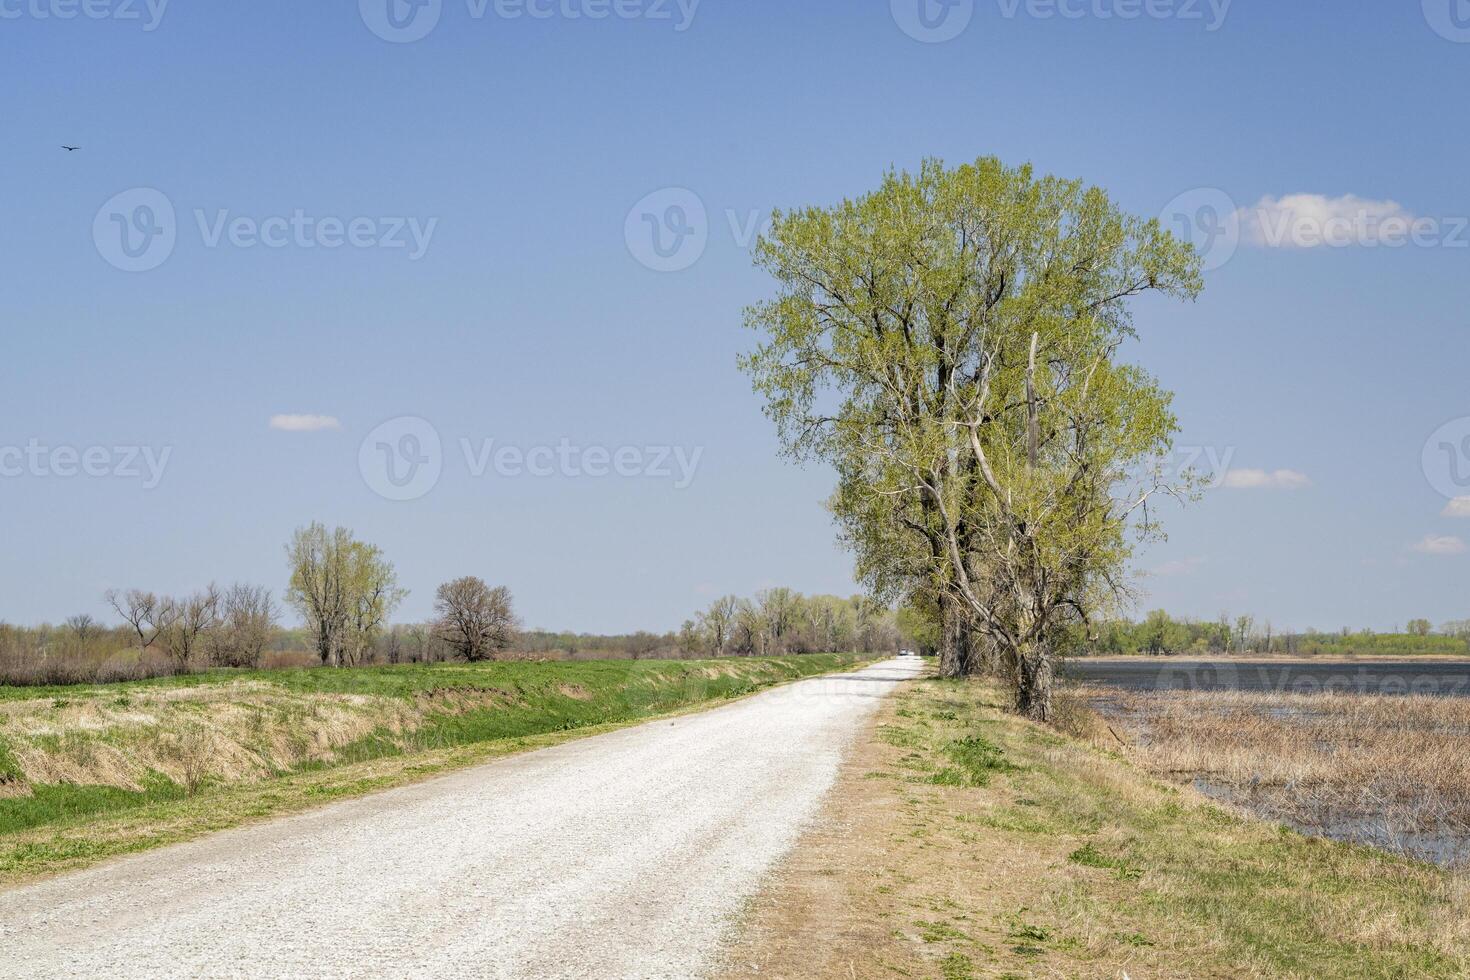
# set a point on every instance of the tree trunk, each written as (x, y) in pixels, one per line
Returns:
(1034, 675)
(986, 654)
(957, 640)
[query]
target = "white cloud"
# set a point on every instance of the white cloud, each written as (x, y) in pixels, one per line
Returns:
(1459, 507)
(1315, 221)
(1440, 545)
(1181, 566)
(304, 423)
(1263, 480)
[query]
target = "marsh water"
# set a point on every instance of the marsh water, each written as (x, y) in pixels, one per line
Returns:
(1395, 832)
(1444, 678)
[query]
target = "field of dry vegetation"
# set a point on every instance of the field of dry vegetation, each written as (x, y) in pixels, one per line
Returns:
(1391, 771)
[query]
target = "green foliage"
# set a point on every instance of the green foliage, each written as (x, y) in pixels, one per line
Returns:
(1090, 857)
(1160, 634)
(976, 760)
(949, 344)
(343, 588)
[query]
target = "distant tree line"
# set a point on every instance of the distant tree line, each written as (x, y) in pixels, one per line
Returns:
(780, 620)
(345, 590)
(1160, 634)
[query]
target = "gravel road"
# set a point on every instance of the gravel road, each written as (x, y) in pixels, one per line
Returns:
(623, 855)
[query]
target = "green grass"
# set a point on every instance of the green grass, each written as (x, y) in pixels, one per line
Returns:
(457, 714)
(1114, 869)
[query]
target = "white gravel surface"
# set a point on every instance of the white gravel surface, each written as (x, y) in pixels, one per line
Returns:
(623, 855)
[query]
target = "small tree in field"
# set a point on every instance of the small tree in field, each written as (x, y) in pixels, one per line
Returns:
(194, 620)
(344, 588)
(247, 622)
(474, 620)
(146, 614)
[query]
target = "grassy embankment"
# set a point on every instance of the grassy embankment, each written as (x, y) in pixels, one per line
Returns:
(91, 772)
(964, 842)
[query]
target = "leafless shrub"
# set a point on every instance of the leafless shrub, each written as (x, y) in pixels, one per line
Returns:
(475, 620)
(190, 620)
(246, 624)
(147, 614)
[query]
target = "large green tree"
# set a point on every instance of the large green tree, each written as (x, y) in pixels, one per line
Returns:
(950, 343)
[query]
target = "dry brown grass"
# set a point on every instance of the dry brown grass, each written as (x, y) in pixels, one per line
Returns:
(223, 732)
(1388, 770)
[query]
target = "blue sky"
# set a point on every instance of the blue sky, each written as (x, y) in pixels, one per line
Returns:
(526, 311)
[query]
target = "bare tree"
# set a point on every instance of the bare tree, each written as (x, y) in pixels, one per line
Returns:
(146, 613)
(718, 622)
(752, 633)
(193, 618)
(83, 626)
(393, 643)
(247, 622)
(474, 619)
(418, 643)
(778, 607)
